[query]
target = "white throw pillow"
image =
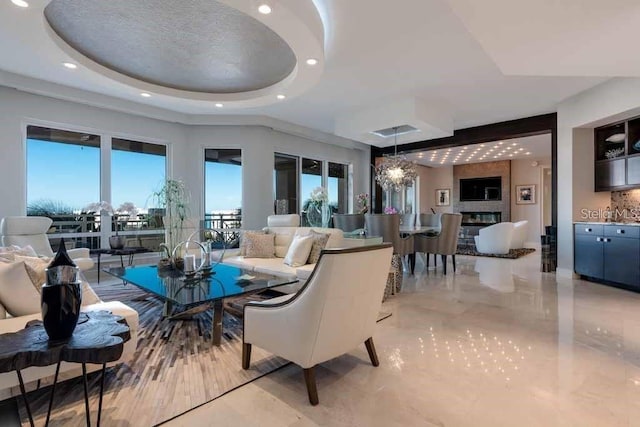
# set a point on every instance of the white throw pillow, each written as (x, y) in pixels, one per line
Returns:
(299, 250)
(17, 293)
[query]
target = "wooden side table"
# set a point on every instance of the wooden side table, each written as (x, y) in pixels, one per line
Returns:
(98, 339)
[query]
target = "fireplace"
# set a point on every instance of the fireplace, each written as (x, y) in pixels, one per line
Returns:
(481, 219)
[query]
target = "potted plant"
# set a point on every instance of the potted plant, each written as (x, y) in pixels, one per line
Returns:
(173, 197)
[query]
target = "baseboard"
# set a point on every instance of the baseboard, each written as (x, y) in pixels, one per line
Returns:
(566, 273)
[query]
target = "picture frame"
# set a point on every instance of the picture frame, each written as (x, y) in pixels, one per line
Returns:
(526, 194)
(443, 197)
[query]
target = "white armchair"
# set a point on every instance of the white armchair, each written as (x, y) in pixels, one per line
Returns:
(520, 229)
(334, 312)
(495, 239)
(32, 230)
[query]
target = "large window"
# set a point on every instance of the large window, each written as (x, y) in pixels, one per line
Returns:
(295, 179)
(65, 182)
(138, 169)
(223, 188)
(63, 177)
(285, 183)
(338, 187)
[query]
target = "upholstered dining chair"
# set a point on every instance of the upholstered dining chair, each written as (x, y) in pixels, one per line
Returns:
(408, 220)
(334, 312)
(388, 227)
(348, 222)
(32, 230)
(428, 243)
(443, 244)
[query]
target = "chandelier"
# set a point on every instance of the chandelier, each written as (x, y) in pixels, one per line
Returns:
(394, 172)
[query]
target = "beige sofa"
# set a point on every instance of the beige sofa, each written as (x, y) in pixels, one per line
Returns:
(90, 302)
(285, 227)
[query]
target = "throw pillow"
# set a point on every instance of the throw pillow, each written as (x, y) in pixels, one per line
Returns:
(35, 269)
(299, 250)
(319, 243)
(243, 240)
(17, 250)
(260, 245)
(17, 293)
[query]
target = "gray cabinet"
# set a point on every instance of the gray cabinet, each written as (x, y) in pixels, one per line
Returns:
(610, 174)
(608, 252)
(633, 170)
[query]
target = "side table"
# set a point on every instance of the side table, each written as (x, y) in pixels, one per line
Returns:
(98, 339)
(130, 252)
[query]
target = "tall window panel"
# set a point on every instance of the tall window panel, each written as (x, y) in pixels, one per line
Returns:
(63, 179)
(338, 187)
(223, 189)
(138, 169)
(311, 178)
(285, 183)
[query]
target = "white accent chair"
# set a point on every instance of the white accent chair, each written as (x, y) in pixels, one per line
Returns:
(32, 231)
(495, 239)
(333, 313)
(291, 220)
(520, 229)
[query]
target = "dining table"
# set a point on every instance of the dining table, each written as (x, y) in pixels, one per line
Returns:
(411, 231)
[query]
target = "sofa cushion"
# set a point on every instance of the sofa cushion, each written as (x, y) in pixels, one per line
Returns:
(284, 236)
(259, 246)
(273, 266)
(320, 241)
(17, 293)
(299, 251)
(304, 272)
(240, 262)
(35, 269)
(243, 241)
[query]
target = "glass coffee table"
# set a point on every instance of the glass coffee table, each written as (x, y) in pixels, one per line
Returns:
(196, 295)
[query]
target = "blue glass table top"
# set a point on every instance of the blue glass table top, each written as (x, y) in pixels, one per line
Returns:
(225, 282)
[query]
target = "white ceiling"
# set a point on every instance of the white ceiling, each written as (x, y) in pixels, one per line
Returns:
(531, 147)
(373, 55)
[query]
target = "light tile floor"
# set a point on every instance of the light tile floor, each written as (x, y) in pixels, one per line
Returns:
(498, 343)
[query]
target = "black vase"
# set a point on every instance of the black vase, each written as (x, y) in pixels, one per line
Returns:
(61, 296)
(60, 306)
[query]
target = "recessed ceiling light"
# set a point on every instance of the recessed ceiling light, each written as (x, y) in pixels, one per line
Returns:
(20, 3)
(312, 61)
(281, 97)
(70, 65)
(500, 143)
(527, 153)
(145, 95)
(264, 9)
(219, 105)
(495, 157)
(514, 144)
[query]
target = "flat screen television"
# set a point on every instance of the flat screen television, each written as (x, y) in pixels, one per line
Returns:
(474, 189)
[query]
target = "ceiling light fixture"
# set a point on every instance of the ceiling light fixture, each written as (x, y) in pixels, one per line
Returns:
(527, 153)
(312, 61)
(70, 65)
(264, 9)
(219, 105)
(20, 3)
(145, 95)
(281, 97)
(394, 172)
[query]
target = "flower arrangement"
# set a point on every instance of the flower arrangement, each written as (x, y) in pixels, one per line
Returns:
(390, 210)
(363, 202)
(319, 196)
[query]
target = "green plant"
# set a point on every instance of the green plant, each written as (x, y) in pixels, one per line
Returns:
(173, 197)
(48, 207)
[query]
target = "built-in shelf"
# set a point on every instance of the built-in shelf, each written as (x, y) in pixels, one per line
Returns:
(616, 147)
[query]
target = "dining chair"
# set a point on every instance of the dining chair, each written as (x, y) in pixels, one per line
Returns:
(388, 227)
(444, 243)
(348, 222)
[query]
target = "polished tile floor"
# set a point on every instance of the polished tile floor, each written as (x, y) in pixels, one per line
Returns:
(496, 344)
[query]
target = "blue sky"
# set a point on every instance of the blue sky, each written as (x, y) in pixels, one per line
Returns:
(71, 174)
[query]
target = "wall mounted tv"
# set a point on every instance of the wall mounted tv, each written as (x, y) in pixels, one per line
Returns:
(474, 189)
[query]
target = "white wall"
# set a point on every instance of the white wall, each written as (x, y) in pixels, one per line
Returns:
(523, 173)
(613, 100)
(185, 147)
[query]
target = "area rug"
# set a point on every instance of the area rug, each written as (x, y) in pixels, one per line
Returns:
(175, 368)
(513, 253)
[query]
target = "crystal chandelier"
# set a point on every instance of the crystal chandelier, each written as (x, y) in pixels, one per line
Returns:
(395, 173)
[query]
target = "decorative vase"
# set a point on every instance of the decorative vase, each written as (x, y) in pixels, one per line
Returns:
(116, 242)
(318, 215)
(61, 297)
